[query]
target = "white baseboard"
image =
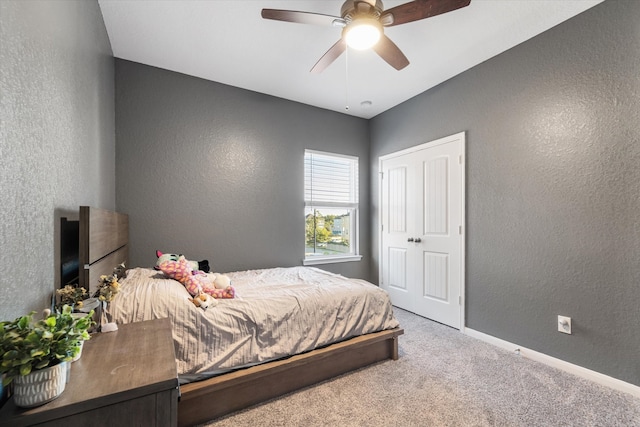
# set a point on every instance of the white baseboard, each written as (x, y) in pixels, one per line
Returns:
(585, 373)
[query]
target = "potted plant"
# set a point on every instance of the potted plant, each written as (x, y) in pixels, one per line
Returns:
(71, 295)
(35, 354)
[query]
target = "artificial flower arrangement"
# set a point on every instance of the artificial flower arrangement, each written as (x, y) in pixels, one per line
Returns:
(72, 295)
(108, 285)
(107, 291)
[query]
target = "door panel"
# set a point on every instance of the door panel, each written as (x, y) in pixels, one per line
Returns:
(435, 276)
(398, 268)
(397, 215)
(436, 193)
(398, 200)
(440, 241)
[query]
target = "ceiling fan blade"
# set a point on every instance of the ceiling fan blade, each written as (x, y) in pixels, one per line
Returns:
(302, 17)
(390, 53)
(419, 9)
(331, 55)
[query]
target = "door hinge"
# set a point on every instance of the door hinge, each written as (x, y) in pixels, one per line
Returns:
(459, 299)
(381, 227)
(381, 175)
(460, 230)
(460, 159)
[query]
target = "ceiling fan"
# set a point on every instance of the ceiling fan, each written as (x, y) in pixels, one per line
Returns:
(362, 23)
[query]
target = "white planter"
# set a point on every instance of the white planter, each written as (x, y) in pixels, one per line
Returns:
(41, 386)
(77, 356)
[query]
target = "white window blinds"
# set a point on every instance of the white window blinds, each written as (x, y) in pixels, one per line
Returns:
(330, 179)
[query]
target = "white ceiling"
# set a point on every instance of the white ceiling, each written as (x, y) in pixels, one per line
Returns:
(229, 42)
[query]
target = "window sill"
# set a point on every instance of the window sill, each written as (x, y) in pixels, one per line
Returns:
(331, 260)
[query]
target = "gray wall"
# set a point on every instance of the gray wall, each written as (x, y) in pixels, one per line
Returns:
(216, 172)
(57, 147)
(553, 186)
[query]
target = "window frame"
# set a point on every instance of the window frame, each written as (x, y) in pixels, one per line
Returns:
(352, 207)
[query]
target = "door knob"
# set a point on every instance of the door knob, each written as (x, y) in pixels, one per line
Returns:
(410, 239)
(417, 240)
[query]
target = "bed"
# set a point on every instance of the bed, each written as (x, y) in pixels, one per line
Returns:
(286, 329)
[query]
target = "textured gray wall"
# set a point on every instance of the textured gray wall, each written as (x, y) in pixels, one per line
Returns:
(57, 137)
(553, 186)
(216, 172)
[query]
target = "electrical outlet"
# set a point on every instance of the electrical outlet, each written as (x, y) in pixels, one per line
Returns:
(564, 324)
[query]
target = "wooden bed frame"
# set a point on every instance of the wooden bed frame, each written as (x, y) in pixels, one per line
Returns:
(104, 237)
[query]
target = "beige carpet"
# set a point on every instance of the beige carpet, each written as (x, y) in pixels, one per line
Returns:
(445, 378)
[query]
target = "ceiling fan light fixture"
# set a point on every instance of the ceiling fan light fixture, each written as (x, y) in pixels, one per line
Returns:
(363, 33)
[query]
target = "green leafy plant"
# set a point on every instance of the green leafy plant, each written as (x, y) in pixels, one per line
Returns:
(28, 345)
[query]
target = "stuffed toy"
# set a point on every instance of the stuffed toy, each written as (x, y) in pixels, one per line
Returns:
(204, 301)
(195, 265)
(220, 281)
(197, 281)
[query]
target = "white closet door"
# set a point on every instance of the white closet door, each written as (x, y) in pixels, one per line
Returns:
(398, 218)
(422, 251)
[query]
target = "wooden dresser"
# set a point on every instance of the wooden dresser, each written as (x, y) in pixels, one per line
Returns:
(124, 378)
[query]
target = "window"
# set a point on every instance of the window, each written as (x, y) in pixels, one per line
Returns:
(331, 207)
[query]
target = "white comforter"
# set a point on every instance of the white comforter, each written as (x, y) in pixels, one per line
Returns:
(277, 312)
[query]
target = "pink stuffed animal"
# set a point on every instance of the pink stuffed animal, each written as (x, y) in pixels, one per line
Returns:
(196, 281)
